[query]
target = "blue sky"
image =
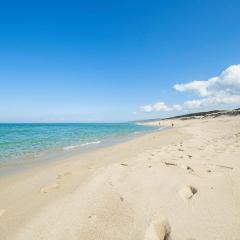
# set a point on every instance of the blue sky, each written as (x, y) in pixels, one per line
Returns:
(71, 61)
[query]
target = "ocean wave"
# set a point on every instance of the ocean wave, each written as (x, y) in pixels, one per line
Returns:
(80, 145)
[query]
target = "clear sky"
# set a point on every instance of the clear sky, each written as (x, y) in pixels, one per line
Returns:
(117, 60)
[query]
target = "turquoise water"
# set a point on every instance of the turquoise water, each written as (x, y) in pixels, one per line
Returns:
(21, 142)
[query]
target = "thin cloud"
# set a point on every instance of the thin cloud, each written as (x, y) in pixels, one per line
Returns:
(219, 90)
(160, 107)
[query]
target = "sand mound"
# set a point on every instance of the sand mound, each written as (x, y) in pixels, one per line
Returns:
(158, 229)
(187, 192)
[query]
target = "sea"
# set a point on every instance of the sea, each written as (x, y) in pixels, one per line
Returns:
(22, 143)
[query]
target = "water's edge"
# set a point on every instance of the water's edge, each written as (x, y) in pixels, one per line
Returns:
(15, 167)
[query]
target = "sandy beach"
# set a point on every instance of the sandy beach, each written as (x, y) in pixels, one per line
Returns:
(181, 183)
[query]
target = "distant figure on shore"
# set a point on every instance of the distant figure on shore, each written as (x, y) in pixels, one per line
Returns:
(172, 125)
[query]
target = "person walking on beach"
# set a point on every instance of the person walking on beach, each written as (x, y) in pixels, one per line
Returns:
(172, 125)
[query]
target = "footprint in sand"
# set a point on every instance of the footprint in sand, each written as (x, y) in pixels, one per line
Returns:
(187, 192)
(2, 211)
(124, 164)
(49, 188)
(60, 176)
(186, 168)
(110, 183)
(223, 166)
(170, 164)
(158, 229)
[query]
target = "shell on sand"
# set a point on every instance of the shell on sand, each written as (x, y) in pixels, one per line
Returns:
(158, 230)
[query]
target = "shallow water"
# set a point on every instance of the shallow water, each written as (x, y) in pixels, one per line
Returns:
(27, 142)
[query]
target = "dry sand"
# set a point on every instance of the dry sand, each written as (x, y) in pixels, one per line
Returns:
(182, 183)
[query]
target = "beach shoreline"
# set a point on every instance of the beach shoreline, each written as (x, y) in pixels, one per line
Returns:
(15, 166)
(187, 175)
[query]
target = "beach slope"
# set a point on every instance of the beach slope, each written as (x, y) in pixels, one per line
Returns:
(181, 183)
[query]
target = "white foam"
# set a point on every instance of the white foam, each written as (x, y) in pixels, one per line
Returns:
(70, 147)
(80, 145)
(90, 143)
